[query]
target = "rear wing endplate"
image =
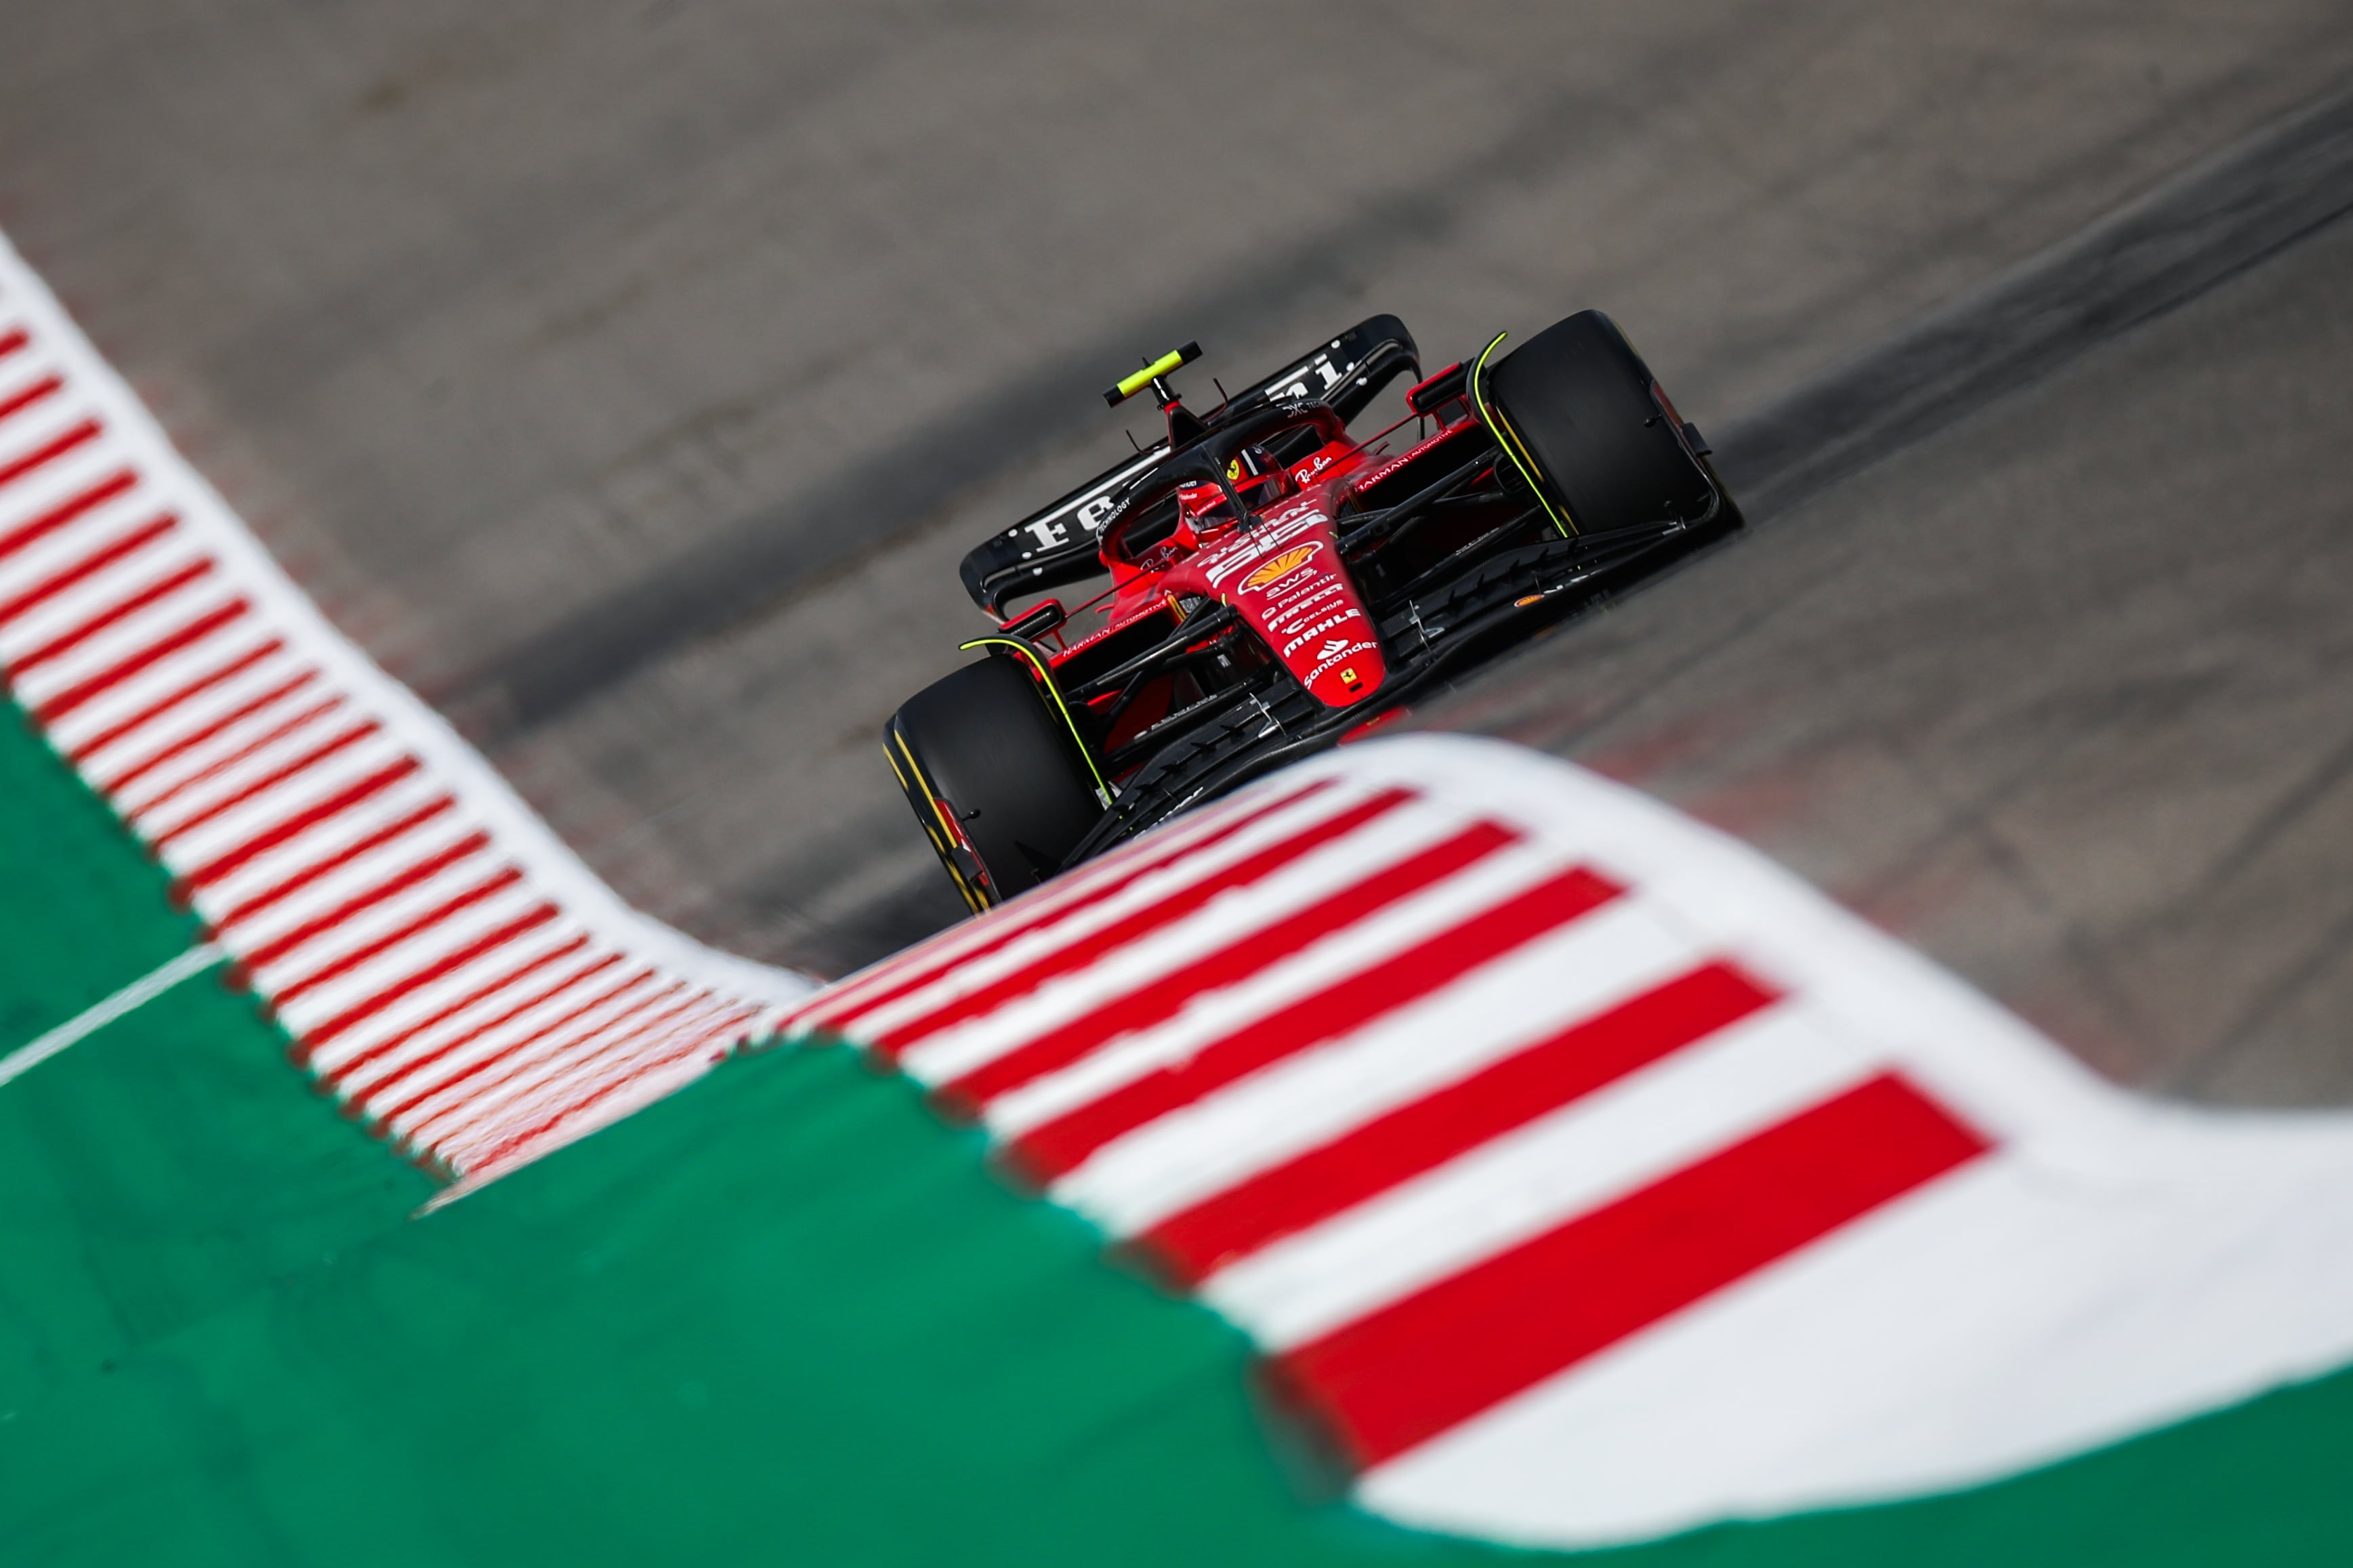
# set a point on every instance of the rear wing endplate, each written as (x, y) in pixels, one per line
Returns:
(1057, 543)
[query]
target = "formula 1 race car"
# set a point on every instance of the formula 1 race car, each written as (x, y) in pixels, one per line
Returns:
(1278, 585)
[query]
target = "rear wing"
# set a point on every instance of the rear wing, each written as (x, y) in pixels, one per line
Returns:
(1056, 544)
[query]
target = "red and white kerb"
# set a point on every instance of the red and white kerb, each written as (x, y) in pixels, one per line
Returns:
(1377, 1070)
(446, 969)
(1582, 1176)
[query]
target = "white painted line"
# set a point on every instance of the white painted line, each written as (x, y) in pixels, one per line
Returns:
(99, 1015)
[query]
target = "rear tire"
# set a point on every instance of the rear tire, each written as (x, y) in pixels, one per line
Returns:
(1576, 400)
(993, 776)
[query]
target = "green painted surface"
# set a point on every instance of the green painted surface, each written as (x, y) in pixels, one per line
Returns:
(160, 1169)
(782, 1317)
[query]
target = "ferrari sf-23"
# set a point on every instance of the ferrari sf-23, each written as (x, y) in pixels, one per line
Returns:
(1279, 584)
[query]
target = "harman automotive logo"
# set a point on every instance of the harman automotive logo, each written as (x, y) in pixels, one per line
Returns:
(1283, 565)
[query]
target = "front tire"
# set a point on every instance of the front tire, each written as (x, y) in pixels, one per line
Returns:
(1577, 404)
(992, 775)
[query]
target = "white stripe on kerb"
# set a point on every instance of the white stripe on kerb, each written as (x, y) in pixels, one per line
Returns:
(1062, 931)
(186, 606)
(230, 775)
(500, 966)
(1286, 1108)
(1212, 1015)
(635, 1000)
(320, 841)
(1658, 1121)
(363, 874)
(1044, 918)
(179, 780)
(137, 694)
(407, 959)
(1232, 915)
(71, 608)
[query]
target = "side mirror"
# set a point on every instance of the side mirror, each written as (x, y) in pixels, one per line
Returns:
(1037, 621)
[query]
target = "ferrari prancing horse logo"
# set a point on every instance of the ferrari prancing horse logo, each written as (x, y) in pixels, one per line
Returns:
(1283, 565)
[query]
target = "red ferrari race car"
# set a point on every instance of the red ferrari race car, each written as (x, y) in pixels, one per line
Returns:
(1278, 584)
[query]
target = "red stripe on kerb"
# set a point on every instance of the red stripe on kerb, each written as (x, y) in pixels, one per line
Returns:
(1161, 999)
(1053, 905)
(1376, 1155)
(86, 567)
(115, 614)
(406, 878)
(278, 833)
(505, 877)
(341, 1074)
(926, 961)
(383, 1119)
(361, 1011)
(681, 1032)
(1078, 954)
(48, 451)
(548, 1069)
(274, 777)
(205, 731)
(694, 1043)
(65, 511)
(162, 705)
(1346, 1004)
(269, 737)
(1404, 1373)
(46, 387)
(11, 340)
(147, 658)
(298, 880)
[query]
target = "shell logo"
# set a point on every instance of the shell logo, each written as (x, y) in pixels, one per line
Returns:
(1283, 565)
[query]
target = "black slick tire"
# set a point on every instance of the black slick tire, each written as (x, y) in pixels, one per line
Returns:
(1576, 402)
(994, 777)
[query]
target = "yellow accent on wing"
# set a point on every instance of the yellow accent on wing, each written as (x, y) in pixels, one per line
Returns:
(1509, 439)
(1103, 785)
(1129, 385)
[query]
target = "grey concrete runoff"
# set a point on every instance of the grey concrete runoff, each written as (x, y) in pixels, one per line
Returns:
(2100, 764)
(487, 316)
(630, 377)
(2173, 242)
(2062, 693)
(2224, 213)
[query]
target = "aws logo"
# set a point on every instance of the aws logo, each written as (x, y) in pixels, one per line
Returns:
(1283, 565)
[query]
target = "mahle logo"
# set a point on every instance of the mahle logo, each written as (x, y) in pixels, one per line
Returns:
(1283, 565)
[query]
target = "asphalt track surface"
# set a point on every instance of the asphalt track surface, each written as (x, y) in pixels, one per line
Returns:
(2057, 686)
(631, 378)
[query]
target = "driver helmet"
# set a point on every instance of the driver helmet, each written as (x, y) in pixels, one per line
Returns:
(1202, 509)
(1258, 478)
